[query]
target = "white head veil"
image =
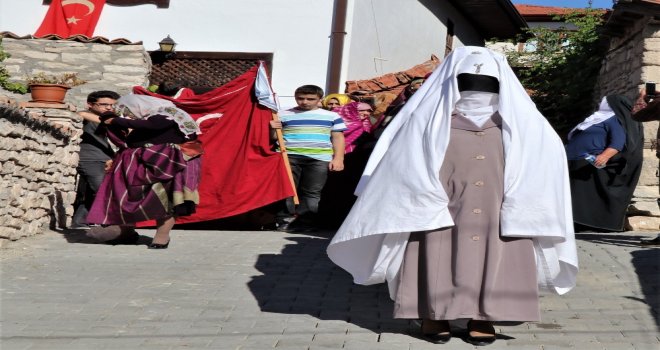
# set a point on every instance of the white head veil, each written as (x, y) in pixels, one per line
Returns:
(478, 106)
(400, 190)
(603, 113)
(144, 106)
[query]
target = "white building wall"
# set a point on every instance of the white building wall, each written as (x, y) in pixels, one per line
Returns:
(387, 36)
(297, 32)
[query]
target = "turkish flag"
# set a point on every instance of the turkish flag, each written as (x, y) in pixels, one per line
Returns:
(67, 18)
(240, 171)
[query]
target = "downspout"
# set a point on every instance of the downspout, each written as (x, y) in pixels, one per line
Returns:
(337, 37)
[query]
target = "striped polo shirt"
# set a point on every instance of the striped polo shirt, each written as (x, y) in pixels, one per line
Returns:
(307, 133)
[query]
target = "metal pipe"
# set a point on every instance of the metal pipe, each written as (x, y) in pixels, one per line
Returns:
(337, 37)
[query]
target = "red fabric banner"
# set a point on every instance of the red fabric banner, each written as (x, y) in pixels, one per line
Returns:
(240, 172)
(71, 17)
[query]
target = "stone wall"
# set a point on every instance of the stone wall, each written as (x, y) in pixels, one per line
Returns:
(633, 59)
(38, 161)
(116, 67)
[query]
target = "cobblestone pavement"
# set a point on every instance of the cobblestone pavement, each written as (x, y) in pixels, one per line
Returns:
(262, 290)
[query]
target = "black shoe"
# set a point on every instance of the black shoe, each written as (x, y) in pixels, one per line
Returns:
(437, 338)
(159, 246)
(283, 227)
(650, 242)
(481, 340)
(79, 227)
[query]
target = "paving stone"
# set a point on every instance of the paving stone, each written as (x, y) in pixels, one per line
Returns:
(261, 290)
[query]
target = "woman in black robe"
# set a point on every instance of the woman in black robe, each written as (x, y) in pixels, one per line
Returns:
(601, 196)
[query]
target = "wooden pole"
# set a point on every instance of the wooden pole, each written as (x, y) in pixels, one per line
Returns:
(280, 141)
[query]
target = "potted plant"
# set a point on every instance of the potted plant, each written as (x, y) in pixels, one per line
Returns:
(52, 88)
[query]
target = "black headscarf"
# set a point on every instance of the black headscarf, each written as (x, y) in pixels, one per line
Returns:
(601, 196)
(622, 107)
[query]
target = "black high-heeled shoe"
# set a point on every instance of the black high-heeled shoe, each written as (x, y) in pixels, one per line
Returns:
(480, 340)
(437, 338)
(159, 246)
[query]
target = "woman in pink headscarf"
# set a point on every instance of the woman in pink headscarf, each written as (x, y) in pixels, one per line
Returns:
(337, 197)
(356, 117)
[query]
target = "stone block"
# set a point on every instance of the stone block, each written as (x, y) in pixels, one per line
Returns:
(125, 48)
(125, 69)
(45, 203)
(644, 223)
(65, 49)
(101, 48)
(59, 65)
(645, 208)
(94, 57)
(13, 223)
(12, 60)
(37, 55)
(42, 105)
(59, 113)
(650, 130)
(131, 61)
(652, 44)
(13, 45)
(650, 71)
(11, 144)
(13, 69)
(648, 192)
(7, 232)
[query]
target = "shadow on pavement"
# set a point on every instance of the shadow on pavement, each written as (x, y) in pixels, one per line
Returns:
(303, 280)
(622, 239)
(645, 260)
(84, 237)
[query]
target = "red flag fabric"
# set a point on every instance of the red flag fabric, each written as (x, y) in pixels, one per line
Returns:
(71, 17)
(240, 171)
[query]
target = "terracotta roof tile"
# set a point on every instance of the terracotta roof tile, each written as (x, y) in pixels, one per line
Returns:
(385, 88)
(79, 38)
(535, 10)
(532, 12)
(395, 80)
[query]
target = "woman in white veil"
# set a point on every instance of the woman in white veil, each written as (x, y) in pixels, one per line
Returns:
(477, 174)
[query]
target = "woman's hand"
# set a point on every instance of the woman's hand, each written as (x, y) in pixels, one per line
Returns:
(108, 166)
(603, 158)
(107, 117)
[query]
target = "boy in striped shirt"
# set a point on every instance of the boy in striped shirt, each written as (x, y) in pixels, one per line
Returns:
(314, 141)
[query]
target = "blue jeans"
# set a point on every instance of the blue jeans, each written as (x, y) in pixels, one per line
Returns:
(309, 175)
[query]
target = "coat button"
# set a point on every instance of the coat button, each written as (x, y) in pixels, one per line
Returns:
(475, 238)
(480, 133)
(480, 157)
(476, 211)
(479, 183)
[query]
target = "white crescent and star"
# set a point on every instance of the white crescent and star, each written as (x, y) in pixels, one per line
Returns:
(89, 4)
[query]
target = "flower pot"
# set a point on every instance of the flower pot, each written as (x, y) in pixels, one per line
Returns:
(48, 93)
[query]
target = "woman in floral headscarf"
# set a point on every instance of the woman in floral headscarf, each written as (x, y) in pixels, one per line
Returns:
(356, 116)
(156, 172)
(337, 197)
